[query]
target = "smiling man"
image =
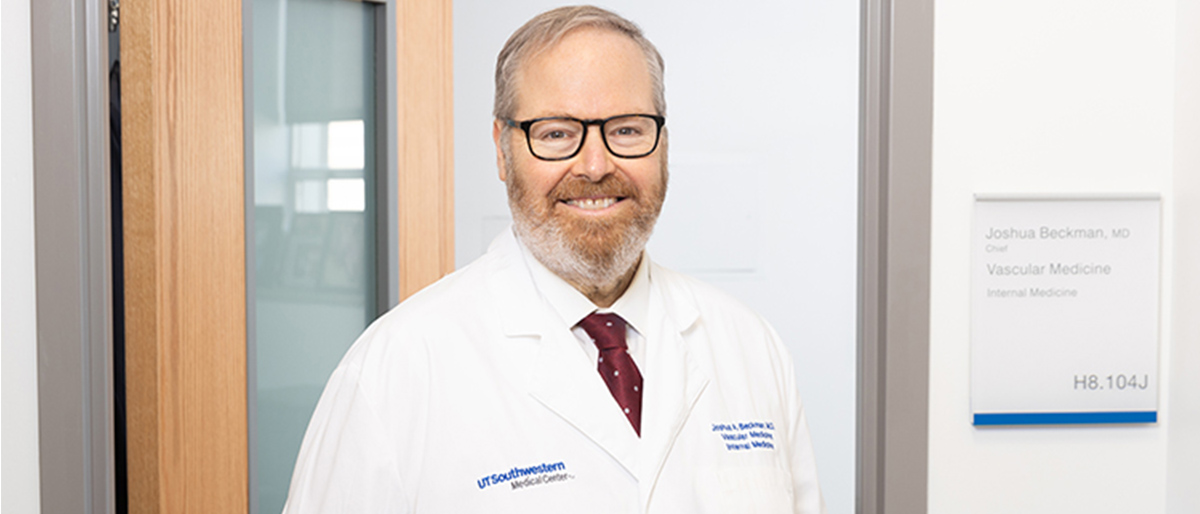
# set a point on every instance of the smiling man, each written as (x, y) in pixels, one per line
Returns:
(583, 206)
(564, 371)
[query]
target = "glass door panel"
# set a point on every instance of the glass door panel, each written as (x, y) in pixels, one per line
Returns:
(314, 248)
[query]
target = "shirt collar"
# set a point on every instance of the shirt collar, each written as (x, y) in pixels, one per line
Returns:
(572, 306)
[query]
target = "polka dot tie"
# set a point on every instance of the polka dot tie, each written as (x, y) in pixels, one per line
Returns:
(616, 365)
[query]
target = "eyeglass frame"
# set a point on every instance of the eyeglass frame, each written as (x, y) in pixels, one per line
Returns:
(659, 122)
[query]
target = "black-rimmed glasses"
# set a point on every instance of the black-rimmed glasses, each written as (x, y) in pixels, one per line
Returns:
(558, 138)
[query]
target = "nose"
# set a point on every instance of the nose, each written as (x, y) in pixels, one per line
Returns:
(594, 160)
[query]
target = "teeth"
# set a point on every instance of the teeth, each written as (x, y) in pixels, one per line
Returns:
(592, 204)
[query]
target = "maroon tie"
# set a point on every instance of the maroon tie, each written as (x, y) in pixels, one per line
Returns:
(616, 365)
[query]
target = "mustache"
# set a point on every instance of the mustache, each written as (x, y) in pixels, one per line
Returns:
(575, 186)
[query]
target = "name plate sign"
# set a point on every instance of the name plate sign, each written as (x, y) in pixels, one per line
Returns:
(1064, 311)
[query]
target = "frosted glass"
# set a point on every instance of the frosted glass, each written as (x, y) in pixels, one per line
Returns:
(314, 214)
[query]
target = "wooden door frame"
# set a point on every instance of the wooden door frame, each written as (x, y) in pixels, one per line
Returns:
(181, 77)
(185, 232)
(425, 138)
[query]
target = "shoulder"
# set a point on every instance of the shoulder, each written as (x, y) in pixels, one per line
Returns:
(682, 292)
(723, 328)
(468, 297)
(453, 294)
(439, 313)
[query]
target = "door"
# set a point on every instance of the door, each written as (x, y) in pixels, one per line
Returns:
(191, 226)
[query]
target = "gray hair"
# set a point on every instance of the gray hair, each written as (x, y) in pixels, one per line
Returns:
(546, 29)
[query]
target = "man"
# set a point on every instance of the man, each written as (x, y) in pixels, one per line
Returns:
(564, 371)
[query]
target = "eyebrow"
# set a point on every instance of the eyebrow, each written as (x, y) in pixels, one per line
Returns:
(561, 114)
(554, 114)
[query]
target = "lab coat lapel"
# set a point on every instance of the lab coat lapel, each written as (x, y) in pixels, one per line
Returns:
(562, 378)
(516, 300)
(676, 379)
(565, 382)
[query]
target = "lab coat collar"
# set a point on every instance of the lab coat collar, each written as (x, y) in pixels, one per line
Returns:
(564, 380)
(675, 301)
(572, 306)
(562, 298)
(634, 304)
(512, 289)
(512, 277)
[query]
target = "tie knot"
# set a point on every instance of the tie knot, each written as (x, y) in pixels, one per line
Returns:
(608, 330)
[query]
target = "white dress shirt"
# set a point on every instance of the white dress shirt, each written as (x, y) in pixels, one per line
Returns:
(572, 306)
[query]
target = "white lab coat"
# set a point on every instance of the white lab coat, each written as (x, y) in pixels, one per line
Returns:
(473, 397)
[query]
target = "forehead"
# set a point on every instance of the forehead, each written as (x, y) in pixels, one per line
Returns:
(588, 73)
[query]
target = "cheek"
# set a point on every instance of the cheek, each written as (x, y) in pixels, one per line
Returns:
(543, 184)
(648, 177)
(537, 181)
(545, 176)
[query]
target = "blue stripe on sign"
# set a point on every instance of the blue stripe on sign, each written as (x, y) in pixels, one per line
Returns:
(1065, 418)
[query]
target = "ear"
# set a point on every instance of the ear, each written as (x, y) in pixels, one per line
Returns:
(497, 132)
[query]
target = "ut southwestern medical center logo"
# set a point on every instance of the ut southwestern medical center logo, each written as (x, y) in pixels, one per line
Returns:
(520, 478)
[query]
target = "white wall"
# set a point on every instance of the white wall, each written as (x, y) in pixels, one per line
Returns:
(18, 322)
(762, 108)
(1183, 436)
(1074, 96)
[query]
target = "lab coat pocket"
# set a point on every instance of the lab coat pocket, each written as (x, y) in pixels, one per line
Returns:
(746, 489)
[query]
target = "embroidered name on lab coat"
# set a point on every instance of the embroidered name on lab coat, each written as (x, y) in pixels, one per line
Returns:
(747, 435)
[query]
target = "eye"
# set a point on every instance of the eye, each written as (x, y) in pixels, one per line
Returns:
(627, 131)
(551, 131)
(630, 128)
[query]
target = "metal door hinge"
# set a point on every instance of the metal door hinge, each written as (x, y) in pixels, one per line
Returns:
(114, 15)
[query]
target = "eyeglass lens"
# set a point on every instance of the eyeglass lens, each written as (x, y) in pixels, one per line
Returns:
(626, 136)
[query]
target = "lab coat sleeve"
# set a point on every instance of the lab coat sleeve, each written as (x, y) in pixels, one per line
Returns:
(806, 490)
(344, 463)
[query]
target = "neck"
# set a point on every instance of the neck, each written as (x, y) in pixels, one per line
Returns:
(604, 295)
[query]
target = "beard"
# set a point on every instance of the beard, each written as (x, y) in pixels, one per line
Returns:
(594, 253)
